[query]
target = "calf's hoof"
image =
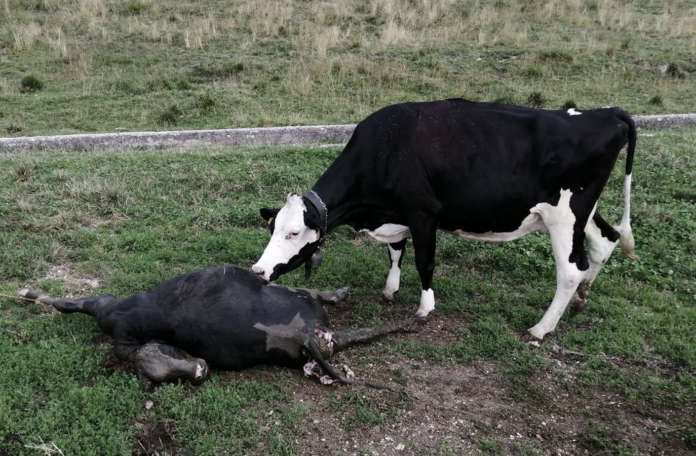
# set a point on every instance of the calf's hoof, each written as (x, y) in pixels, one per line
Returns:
(341, 294)
(201, 373)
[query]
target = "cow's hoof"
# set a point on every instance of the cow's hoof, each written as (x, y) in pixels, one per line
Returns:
(342, 294)
(420, 320)
(387, 297)
(531, 340)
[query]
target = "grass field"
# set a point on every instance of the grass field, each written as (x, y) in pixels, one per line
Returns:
(618, 379)
(72, 66)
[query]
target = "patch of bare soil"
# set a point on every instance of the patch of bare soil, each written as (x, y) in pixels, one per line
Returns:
(155, 439)
(75, 284)
(462, 409)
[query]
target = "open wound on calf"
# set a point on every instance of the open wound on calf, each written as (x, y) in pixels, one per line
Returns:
(312, 369)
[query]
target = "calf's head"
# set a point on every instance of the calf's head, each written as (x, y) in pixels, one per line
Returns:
(297, 232)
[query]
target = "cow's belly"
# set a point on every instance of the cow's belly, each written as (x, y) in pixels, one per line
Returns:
(531, 224)
(389, 233)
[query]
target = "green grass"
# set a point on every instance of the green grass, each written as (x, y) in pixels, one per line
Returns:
(106, 65)
(133, 219)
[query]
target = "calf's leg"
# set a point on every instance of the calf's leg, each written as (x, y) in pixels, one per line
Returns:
(89, 306)
(159, 363)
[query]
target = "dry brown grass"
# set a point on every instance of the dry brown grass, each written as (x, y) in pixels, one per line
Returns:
(317, 28)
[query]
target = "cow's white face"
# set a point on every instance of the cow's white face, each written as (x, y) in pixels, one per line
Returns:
(292, 241)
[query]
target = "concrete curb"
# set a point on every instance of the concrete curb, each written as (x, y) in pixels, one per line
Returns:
(290, 136)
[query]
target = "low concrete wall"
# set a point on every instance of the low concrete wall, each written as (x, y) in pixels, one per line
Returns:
(291, 136)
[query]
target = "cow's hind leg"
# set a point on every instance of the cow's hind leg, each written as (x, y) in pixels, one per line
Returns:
(89, 306)
(602, 238)
(396, 256)
(159, 363)
(566, 230)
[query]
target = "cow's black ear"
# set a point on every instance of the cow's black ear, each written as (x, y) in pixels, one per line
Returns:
(268, 214)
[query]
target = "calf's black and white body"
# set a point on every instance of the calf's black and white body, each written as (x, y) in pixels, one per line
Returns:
(482, 171)
(225, 317)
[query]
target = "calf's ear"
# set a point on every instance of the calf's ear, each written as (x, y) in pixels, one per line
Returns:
(268, 214)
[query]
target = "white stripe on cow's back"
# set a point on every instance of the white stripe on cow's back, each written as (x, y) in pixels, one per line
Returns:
(574, 112)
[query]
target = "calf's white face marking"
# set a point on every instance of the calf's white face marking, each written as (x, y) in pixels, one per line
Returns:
(289, 236)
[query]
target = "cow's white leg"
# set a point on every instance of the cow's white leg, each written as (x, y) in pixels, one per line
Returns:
(427, 303)
(560, 221)
(396, 256)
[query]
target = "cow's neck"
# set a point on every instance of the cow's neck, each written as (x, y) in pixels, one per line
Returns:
(337, 190)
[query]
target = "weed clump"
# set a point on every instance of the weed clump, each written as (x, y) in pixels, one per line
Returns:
(533, 72)
(535, 100)
(555, 55)
(569, 104)
(206, 102)
(674, 71)
(13, 127)
(505, 99)
(227, 70)
(23, 172)
(170, 116)
(134, 8)
(31, 83)
(656, 100)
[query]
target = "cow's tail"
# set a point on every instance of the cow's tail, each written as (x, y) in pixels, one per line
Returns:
(627, 242)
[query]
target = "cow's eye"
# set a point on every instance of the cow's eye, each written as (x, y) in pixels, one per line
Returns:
(292, 234)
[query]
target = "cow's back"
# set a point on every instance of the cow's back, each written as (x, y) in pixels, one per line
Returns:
(467, 162)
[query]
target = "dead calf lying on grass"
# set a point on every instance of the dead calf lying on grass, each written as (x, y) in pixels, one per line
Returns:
(225, 317)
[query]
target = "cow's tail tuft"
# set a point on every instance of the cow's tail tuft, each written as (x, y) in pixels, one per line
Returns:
(627, 242)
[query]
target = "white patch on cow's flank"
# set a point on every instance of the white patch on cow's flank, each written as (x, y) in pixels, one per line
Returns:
(427, 303)
(390, 233)
(574, 112)
(394, 278)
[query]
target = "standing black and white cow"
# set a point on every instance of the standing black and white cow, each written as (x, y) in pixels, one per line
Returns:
(483, 171)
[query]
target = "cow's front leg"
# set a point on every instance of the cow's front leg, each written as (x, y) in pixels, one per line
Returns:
(423, 231)
(161, 363)
(396, 256)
